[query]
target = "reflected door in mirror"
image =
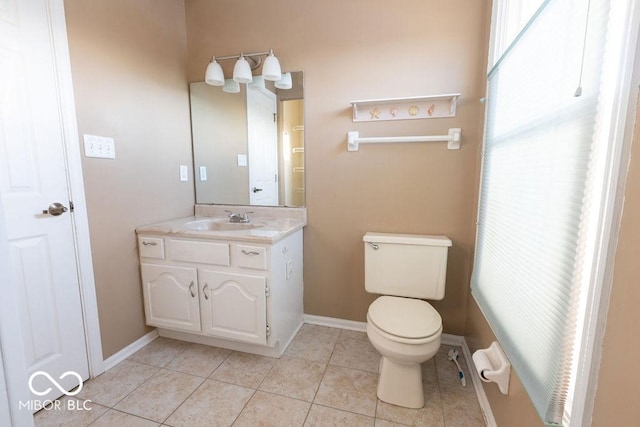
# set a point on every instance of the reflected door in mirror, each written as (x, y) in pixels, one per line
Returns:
(262, 141)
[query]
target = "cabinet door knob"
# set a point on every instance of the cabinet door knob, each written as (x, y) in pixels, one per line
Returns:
(191, 289)
(204, 291)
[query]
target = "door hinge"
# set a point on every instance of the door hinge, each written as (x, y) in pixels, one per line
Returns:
(266, 290)
(268, 330)
(71, 207)
(275, 117)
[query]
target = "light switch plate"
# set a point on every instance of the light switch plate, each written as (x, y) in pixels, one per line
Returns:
(242, 160)
(99, 146)
(203, 173)
(184, 173)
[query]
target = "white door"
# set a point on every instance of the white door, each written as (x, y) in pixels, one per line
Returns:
(171, 297)
(234, 306)
(262, 135)
(33, 176)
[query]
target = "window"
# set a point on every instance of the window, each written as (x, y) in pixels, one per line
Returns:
(550, 135)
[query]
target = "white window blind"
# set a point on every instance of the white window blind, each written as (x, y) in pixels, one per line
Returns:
(532, 248)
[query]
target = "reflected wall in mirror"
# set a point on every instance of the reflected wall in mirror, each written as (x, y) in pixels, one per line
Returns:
(248, 147)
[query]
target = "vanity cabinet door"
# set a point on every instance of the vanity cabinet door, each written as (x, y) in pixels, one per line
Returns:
(171, 297)
(233, 306)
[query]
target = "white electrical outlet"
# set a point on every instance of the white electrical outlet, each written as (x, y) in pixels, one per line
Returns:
(99, 146)
(242, 160)
(203, 173)
(184, 173)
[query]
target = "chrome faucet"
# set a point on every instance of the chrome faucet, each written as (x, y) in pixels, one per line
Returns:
(239, 217)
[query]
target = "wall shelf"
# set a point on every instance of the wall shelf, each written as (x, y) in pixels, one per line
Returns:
(416, 107)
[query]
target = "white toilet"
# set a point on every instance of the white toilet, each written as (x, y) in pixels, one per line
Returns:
(406, 330)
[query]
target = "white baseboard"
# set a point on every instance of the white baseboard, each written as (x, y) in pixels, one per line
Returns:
(352, 325)
(448, 339)
(477, 385)
(333, 322)
(113, 360)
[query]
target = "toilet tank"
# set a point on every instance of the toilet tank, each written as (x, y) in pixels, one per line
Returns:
(406, 265)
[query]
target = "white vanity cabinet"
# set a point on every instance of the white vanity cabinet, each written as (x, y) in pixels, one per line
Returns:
(241, 295)
(171, 297)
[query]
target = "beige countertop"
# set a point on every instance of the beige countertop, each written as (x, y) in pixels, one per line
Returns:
(268, 229)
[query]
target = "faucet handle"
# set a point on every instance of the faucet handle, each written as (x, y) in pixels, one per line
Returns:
(245, 216)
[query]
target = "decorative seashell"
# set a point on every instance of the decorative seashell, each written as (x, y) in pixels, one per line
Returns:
(430, 110)
(375, 113)
(414, 110)
(393, 111)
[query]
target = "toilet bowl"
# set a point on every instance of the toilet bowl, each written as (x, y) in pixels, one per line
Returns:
(406, 332)
(405, 269)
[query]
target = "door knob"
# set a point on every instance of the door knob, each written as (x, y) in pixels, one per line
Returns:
(255, 190)
(55, 209)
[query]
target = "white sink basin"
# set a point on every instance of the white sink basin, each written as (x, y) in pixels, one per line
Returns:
(219, 224)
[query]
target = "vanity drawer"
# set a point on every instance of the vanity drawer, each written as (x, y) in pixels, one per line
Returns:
(199, 252)
(151, 247)
(254, 257)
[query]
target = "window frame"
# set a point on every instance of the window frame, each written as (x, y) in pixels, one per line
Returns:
(623, 112)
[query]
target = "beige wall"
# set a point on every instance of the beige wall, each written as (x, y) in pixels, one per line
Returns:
(617, 391)
(363, 49)
(128, 60)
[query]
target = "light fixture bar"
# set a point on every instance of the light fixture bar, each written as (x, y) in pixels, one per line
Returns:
(222, 58)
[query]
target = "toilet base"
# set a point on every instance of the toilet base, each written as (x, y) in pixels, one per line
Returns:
(400, 384)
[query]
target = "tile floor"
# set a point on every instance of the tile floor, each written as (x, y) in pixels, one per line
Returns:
(327, 377)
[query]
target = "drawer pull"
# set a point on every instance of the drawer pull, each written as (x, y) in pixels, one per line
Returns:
(150, 243)
(250, 252)
(191, 290)
(204, 291)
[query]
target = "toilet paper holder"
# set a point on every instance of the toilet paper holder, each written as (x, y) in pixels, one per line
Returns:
(492, 365)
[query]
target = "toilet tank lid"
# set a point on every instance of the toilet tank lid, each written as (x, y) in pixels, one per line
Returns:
(407, 239)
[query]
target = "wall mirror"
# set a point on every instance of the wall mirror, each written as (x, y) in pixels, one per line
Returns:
(248, 147)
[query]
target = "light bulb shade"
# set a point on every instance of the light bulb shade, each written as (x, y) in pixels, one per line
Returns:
(285, 82)
(231, 86)
(257, 83)
(271, 68)
(242, 71)
(214, 75)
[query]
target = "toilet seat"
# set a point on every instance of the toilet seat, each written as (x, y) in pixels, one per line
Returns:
(405, 319)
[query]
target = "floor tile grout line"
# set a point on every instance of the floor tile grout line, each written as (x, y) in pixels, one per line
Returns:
(133, 390)
(159, 370)
(185, 399)
(123, 412)
(324, 373)
(244, 407)
(435, 366)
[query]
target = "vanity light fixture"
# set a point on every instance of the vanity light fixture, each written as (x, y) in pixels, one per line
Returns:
(231, 86)
(246, 62)
(285, 82)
